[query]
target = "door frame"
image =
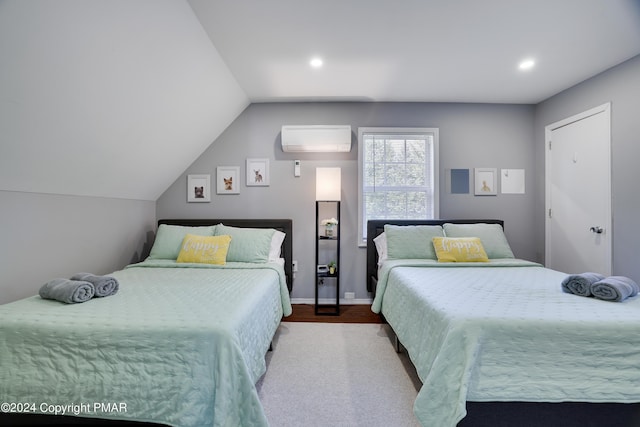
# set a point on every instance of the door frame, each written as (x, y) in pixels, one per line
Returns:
(605, 109)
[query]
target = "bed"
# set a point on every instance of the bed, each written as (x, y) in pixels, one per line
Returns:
(180, 344)
(498, 343)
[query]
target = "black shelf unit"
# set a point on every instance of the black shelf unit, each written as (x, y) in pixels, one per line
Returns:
(327, 249)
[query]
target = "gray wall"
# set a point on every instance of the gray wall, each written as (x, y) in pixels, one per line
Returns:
(46, 236)
(619, 85)
(471, 135)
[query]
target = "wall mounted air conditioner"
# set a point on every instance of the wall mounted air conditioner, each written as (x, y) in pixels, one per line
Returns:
(316, 139)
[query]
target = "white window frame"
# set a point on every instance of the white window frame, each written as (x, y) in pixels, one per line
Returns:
(395, 131)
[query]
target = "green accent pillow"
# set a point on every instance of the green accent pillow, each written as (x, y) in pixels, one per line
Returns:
(247, 244)
(492, 236)
(169, 239)
(411, 241)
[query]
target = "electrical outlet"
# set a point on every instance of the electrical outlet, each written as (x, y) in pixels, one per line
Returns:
(295, 265)
(349, 295)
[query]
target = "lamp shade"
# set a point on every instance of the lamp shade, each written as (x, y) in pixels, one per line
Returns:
(328, 186)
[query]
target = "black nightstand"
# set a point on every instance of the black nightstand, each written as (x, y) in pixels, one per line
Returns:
(328, 254)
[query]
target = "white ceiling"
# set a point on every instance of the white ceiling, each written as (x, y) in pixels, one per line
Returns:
(116, 98)
(418, 50)
(107, 98)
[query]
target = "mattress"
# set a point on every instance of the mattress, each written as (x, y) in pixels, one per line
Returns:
(504, 331)
(180, 345)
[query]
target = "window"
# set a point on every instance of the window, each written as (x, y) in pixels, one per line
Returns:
(398, 175)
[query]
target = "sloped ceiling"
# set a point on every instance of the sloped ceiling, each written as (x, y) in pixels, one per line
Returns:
(418, 50)
(116, 98)
(107, 98)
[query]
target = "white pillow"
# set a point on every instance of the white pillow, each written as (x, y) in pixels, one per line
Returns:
(381, 247)
(276, 245)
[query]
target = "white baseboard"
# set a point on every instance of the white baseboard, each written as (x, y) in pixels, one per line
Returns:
(343, 301)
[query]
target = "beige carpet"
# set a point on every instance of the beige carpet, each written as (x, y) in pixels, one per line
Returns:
(336, 374)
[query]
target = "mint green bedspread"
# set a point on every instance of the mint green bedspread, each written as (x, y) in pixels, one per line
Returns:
(505, 331)
(180, 346)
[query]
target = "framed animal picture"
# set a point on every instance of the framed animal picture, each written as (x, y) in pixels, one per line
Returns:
(257, 172)
(228, 180)
(198, 188)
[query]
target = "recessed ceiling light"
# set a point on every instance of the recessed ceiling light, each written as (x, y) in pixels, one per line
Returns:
(527, 64)
(316, 62)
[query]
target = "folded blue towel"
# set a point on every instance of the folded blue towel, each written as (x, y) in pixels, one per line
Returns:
(615, 288)
(580, 284)
(104, 285)
(67, 291)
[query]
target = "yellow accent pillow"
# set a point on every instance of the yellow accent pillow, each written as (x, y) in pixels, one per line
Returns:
(204, 249)
(459, 249)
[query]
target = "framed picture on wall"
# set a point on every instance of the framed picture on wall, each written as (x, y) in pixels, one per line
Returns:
(512, 181)
(486, 181)
(459, 181)
(228, 180)
(257, 172)
(198, 188)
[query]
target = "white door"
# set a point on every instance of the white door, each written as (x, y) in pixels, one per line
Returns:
(578, 193)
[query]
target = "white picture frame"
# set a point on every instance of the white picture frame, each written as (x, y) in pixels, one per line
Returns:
(486, 181)
(512, 181)
(198, 188)
(228, 180)
(257, 173)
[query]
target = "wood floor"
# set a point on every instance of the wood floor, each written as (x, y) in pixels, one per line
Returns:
(360, 313)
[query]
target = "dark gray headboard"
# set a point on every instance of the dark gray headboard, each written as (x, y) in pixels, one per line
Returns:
(284, 225)
(376, 227)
